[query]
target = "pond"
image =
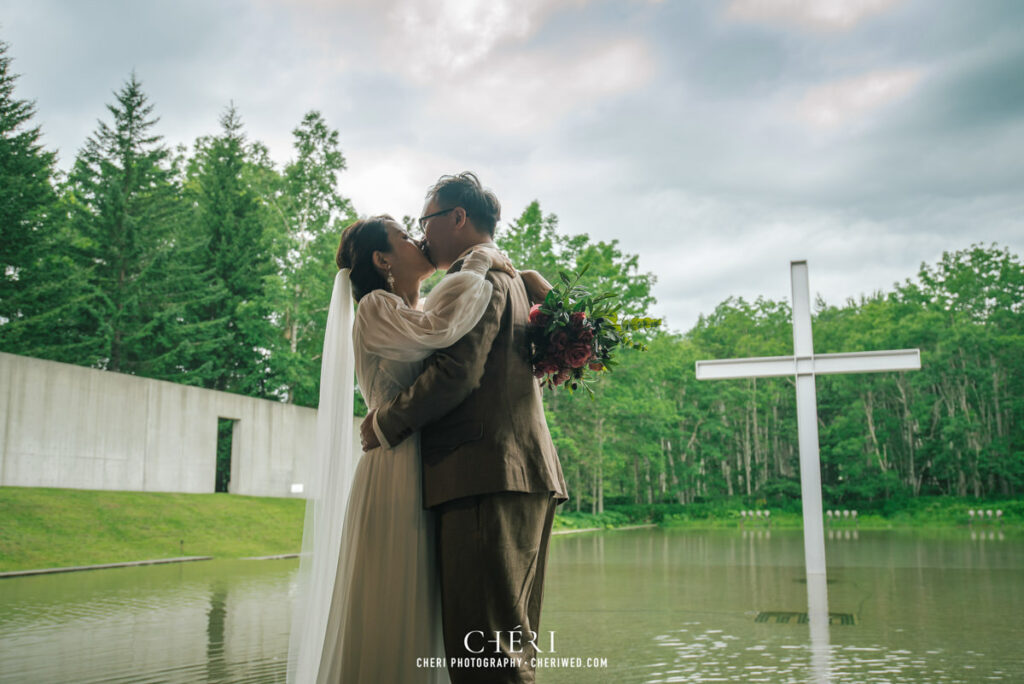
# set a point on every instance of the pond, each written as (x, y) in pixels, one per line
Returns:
(648, 605)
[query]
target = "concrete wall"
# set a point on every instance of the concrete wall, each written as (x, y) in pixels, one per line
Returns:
(67, 426)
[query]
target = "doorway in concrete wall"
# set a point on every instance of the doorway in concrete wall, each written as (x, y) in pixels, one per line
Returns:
(226, 428)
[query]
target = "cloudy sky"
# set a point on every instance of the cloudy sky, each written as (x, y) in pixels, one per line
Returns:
(716, 140)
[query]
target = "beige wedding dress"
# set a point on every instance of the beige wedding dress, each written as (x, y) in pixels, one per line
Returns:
(385, 614)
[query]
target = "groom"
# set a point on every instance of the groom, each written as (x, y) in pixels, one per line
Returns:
(490, 471)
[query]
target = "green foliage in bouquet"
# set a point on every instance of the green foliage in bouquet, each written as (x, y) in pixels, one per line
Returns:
(574, 333)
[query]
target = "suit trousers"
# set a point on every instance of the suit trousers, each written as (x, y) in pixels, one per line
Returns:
(492, 552)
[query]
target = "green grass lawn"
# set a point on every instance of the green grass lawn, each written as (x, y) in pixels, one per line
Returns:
(48, 527)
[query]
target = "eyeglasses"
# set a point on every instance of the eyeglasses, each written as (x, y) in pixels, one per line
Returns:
(423, 219)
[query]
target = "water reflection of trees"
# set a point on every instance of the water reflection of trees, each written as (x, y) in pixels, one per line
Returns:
(216, 616)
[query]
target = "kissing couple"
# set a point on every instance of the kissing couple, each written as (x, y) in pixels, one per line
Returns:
(424, 553)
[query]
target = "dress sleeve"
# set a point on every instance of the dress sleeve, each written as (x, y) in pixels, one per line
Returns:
(386, 326)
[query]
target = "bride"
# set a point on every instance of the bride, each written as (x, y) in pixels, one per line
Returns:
(368, 604)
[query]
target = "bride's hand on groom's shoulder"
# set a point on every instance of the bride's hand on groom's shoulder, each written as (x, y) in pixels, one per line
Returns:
(502, 262)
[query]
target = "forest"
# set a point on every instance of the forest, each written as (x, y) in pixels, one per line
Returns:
(211, 265)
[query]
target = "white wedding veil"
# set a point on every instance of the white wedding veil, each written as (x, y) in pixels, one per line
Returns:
(327, 480)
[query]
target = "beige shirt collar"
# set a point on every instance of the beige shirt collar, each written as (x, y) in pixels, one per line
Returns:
(488, 245)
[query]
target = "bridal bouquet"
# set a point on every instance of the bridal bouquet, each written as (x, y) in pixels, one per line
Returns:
(574, 334)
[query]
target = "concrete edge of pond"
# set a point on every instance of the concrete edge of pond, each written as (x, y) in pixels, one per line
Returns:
(75, 568)
(277, 557)
(604, 529)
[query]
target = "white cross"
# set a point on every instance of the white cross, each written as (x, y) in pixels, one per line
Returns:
(804, 365)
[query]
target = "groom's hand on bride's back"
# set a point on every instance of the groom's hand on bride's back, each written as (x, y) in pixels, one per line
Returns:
(367, 435)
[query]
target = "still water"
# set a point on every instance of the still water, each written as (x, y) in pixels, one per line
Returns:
(645, 605)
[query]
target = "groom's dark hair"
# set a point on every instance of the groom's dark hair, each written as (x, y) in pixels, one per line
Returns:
(464, 190)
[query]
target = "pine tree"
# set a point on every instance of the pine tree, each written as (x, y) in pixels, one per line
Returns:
(182, 339)
(125, 218)
(27, 203)
(229, 186)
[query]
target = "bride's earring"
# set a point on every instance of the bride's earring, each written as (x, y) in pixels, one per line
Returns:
(391, 280)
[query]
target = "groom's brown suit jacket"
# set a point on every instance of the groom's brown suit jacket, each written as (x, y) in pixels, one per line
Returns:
(478, 408)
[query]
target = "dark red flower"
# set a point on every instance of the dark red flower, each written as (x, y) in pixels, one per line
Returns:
(559, 340)
(547, 367)
(537, 317)
(578, 318)
(596, 366)
(578, 355)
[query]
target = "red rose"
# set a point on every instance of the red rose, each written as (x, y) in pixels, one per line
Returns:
(561, 377)
(578, 318)
(560, 340)
(585, 335)
(578, 355)
(546, 367)
(537, 317)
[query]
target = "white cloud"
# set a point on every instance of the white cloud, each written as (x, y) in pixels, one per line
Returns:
(392, 180)
(451, 36)
(422, 42)
(832, 104)
(819, 15)
(477, 63)
(704, 249)
(530, 91)
(427, 42)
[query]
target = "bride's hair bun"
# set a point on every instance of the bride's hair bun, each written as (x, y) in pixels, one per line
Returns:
(355, 251)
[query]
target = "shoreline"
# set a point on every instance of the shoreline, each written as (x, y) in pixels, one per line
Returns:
(102, 566)
(602, 529)
(132, 564)
(694, 526)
